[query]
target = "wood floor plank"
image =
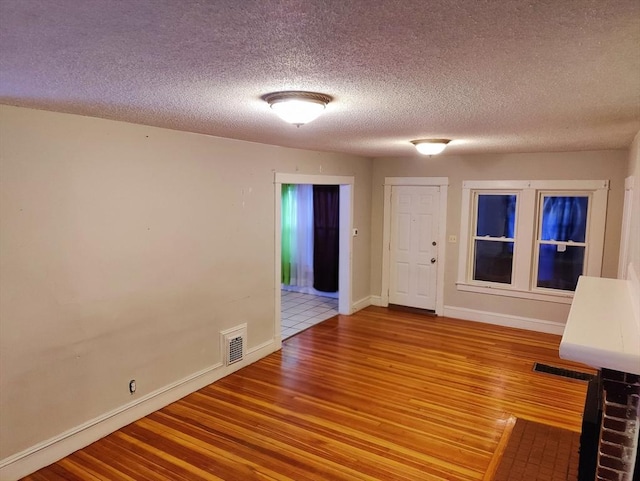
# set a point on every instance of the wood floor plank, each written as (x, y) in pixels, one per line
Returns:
(380, 395)
(502, 445)
(131, 462)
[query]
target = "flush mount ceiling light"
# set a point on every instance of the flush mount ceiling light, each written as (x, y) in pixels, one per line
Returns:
(430, 146)
(297, 107)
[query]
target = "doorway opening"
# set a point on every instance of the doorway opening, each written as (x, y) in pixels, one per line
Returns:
(310, 224)
(298, 301)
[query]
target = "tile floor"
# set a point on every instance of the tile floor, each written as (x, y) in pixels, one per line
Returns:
(301, 311)
(538, 452)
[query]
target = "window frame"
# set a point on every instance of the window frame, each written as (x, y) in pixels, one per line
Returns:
(528, 217)
(541, 194)
(475, 237)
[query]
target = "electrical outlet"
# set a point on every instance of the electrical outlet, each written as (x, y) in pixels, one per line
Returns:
(132, 386)
(453, 238)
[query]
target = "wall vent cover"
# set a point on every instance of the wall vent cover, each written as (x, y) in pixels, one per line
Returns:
(234, 344)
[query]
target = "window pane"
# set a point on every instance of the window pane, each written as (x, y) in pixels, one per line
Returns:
(496, 215)
(564, 218)
(559, 266)
(493, 261)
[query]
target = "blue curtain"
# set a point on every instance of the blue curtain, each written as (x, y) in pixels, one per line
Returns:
(564, 219)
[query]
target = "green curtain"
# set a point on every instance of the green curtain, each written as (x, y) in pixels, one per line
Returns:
(288, 222)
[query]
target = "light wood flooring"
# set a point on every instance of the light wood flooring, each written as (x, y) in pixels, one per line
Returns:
(380, 395)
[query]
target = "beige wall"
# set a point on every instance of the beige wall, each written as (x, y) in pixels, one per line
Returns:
(125, 249)
(634, 171)
(542, 166)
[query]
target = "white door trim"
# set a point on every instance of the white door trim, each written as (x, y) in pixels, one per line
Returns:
(625, 235)
(389, 182)
(345, 303)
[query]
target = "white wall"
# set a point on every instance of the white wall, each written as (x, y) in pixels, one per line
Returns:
(542, 166)
(124, 250)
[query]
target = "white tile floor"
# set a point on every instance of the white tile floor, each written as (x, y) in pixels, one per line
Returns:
(301, 311)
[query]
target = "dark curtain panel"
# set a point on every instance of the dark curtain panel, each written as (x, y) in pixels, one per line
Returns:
(326, 217)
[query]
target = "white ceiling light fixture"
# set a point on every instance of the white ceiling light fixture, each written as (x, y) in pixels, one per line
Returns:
(430, 146)
(297, 107)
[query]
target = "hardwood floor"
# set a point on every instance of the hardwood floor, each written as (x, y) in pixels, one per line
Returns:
(380, 395)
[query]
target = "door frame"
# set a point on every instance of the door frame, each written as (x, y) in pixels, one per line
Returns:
(625, 235)
(389, 183)
(345, 278)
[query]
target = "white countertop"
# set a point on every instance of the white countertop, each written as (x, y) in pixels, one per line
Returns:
(602, 330)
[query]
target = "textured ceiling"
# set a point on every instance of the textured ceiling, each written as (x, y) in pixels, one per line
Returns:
(494, 75)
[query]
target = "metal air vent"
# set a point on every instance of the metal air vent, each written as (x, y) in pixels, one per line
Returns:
(234, 344)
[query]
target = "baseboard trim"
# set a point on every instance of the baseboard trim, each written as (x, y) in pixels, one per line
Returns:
(530, 324)
(47, 452)
(361, 304)
(377, 301)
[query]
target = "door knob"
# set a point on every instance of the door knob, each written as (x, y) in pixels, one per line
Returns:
(433, 260)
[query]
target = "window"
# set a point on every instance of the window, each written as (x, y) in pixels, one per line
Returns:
(531, 239)
(561, 240)
(493, 241)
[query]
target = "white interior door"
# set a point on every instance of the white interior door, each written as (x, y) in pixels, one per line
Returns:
(413, 247)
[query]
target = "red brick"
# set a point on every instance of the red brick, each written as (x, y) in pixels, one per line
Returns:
(619, 392)
(616, 438)
(618, 411)
(608, 474)
(616, 396)
(612, 463)
(613, 450)
(615, 424)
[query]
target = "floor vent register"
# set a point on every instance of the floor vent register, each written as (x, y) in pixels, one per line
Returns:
(562, 372)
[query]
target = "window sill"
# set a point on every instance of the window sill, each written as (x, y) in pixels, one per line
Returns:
(557, 297)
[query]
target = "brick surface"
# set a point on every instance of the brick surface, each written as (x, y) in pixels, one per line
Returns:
(612, 463)
(615, 424)
(539, 452)
(613, 450)
(609, 474)
(615, 394)
(616, 438)
(619, 411)
(618, 426)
